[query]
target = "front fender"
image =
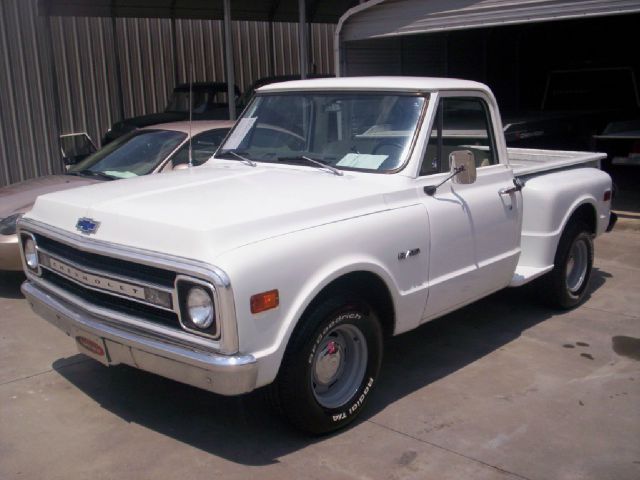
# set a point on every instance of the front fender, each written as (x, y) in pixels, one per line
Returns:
(301, 264)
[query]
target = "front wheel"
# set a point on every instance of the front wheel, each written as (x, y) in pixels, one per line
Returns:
(567, 284)
(330, 366)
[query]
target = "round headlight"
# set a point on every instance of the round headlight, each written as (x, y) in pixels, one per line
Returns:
(31, 254)
(200, 307)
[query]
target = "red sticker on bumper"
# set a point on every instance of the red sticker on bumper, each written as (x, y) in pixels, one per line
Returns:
(91, 346)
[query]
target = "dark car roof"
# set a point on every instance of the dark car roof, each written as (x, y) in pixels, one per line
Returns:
(261, 82)
(205, 86)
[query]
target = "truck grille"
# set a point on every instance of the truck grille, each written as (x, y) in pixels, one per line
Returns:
(130, 288)
(100, 299)
(107, 265)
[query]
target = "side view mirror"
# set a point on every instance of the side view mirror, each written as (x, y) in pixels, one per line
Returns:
(181, 166)
(71, 161)
(75, 147)
(462, 164)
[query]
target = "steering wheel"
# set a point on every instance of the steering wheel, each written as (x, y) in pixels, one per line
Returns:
(392, 148)
(291, 139)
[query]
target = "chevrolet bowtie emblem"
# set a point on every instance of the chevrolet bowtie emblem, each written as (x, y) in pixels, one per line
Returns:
(87, 225)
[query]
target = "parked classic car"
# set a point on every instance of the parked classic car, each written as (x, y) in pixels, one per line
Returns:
(149, 150)
(209, 103)
(336, 213)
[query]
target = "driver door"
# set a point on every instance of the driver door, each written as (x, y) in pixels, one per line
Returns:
(474, 228)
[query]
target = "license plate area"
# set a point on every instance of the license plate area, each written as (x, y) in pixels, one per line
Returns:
(92, 346)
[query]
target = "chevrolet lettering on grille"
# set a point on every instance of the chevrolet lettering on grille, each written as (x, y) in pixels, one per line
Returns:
(95, 281)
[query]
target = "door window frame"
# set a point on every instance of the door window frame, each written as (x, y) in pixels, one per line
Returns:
(437, 119)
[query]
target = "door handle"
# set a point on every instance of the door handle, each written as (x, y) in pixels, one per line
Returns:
(507, 190)
(517, 186)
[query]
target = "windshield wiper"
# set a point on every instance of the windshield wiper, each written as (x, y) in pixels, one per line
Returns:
(315, 162)
(237, 155)
(91, 173)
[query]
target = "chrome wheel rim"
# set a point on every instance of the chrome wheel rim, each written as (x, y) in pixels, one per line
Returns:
(338, 366)
(577, 265)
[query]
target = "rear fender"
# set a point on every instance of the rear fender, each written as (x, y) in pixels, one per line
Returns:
(550, 200)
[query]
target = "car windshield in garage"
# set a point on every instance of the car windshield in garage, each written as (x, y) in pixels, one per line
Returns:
(137, 153)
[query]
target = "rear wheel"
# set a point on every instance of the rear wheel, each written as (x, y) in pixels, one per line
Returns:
(330, 366)
(567, 284)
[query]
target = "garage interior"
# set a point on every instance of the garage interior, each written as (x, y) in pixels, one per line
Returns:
(513, 60)
(559, 76)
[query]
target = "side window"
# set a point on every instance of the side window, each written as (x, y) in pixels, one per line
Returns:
(461, 124)
(203, 146)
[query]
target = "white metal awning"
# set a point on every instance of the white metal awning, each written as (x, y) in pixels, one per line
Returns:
(391, 18)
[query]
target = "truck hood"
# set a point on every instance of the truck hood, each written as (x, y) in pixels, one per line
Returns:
(213, 209)
(19, 197)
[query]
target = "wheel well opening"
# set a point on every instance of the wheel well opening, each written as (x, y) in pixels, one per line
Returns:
(371, 288)
(586, 214)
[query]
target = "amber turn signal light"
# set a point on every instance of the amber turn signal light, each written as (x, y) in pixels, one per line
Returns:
(264, 301)
(607, 195)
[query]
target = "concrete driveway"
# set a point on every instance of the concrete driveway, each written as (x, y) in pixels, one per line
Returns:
(503, 389)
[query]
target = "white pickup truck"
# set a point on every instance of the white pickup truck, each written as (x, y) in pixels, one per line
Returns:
(336, 213)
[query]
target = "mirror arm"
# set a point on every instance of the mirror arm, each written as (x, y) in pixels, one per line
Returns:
(431, 189)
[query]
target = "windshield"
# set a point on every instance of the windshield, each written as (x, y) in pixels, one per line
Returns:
(355, 131)
(134, 154)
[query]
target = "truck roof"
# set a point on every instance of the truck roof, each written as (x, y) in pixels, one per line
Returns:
(403, 84)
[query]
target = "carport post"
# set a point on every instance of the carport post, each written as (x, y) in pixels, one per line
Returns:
(116, 52)
(302, 37)
(272, 56)
(174, 50)
(56, 91)
(228, 55)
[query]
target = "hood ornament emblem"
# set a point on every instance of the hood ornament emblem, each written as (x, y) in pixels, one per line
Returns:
(87, 225)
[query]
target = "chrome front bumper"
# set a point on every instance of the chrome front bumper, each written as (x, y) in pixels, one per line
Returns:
(223, 374)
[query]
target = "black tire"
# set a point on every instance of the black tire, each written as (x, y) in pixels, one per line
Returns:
(567, 285)
(335, 332)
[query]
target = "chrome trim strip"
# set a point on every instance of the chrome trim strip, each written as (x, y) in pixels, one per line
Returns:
(102, 276)
(228, 343)
(101, 273)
